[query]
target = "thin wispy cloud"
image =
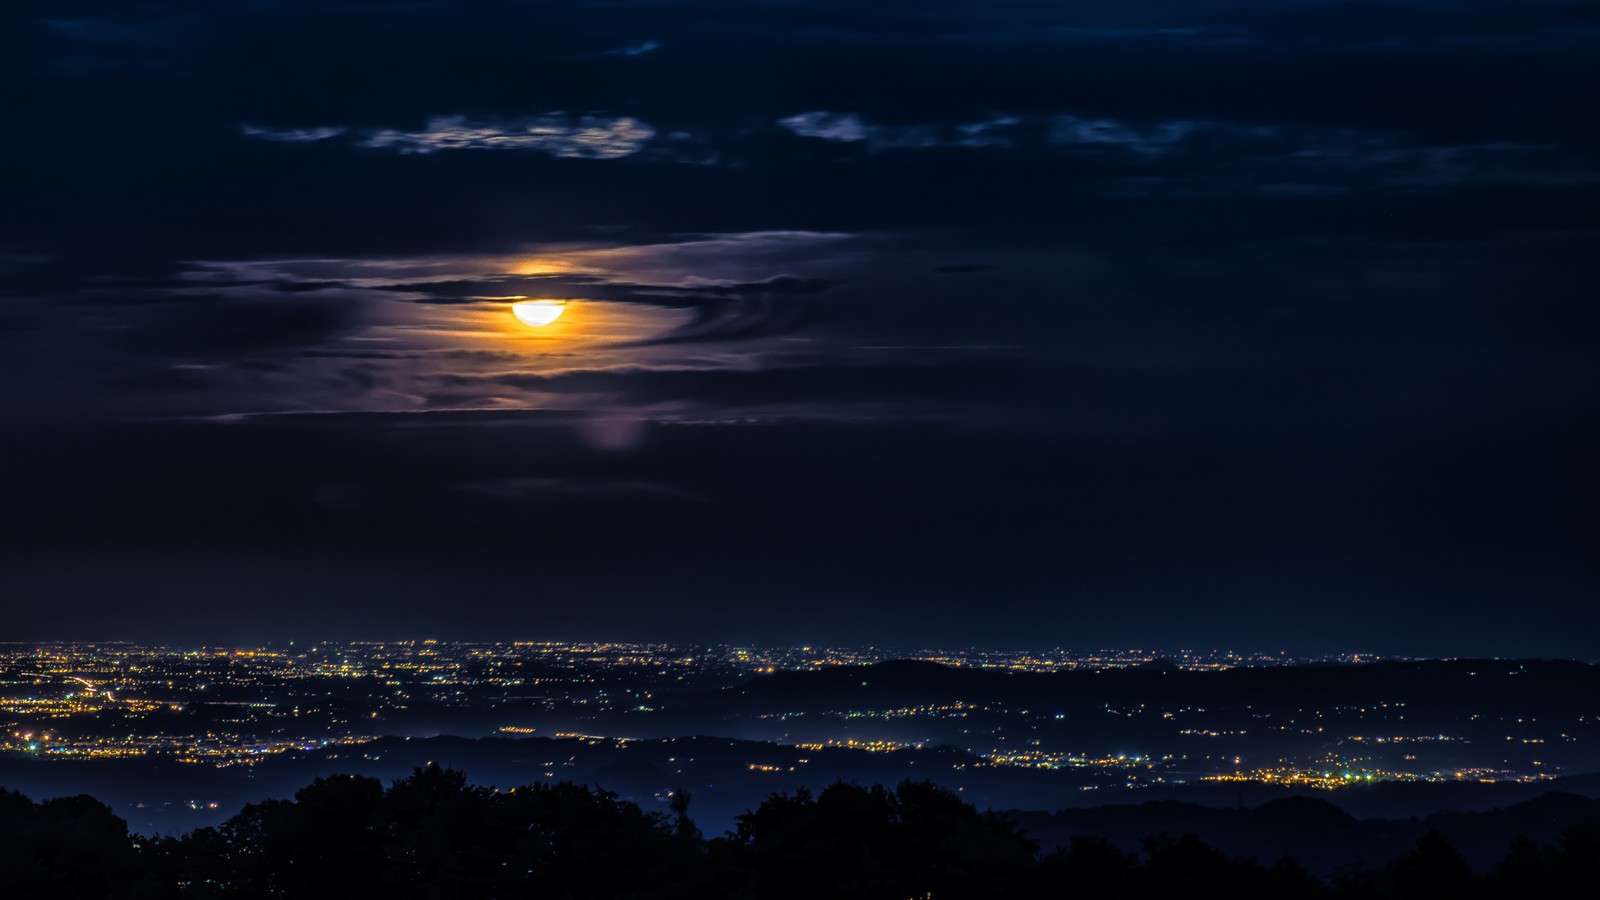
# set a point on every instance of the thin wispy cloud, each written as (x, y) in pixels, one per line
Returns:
(586, 137)
(639, 49)
(844, 127)
(1071, 130)
(590, 137)
(999, 131)
(850, 128)
(292, 135)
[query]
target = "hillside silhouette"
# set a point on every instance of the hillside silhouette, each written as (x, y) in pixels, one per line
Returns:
(433, 834)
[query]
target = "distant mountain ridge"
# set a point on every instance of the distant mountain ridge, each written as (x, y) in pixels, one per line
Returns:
(1481, 678)
(1315, 833)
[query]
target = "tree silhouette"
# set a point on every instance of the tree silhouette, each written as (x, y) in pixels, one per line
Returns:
(69, 847)
(851, 841)
(1432, 869)
(434, 836)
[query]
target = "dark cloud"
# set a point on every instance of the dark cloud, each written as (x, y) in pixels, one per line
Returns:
(596, 287)
(733, 312)
(930, 388)
(217, 327)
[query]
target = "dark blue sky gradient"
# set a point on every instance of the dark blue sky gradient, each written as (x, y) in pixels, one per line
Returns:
(1184, 324)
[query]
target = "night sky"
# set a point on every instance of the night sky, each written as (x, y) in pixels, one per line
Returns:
(1081, 323)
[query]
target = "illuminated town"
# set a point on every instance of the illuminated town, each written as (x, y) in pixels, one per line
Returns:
(225, 707)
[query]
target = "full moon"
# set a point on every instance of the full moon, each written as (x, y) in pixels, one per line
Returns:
(538, 313)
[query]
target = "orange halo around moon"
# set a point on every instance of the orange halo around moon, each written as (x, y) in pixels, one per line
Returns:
(538, 313)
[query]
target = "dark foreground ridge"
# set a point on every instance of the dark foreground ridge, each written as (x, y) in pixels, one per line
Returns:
(434, 835)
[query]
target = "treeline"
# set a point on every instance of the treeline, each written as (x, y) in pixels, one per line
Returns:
(433, 835)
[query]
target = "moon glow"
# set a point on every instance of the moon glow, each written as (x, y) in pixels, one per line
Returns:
(538, 313)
